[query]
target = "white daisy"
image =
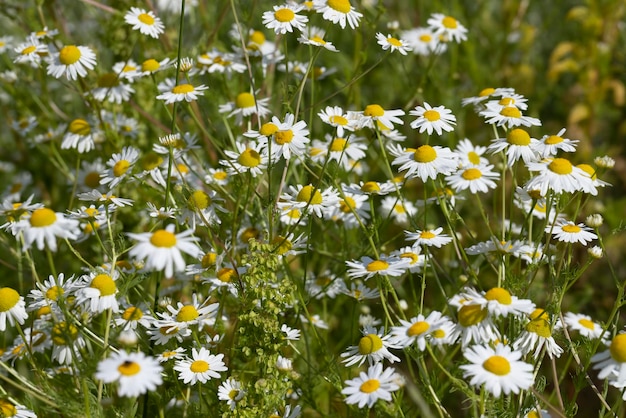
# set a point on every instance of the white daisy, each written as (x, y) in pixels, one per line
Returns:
(470, 154)
(367, 267)
(312, 35)
(448, 27)
(161, 249)
(359, 291)
(374, 116)
(373, 347)
(550, 145)
(72, 61)
(109, 87)
(285, 18)
(98, 292)
(400, 211)
(135, 373)
(245, 105)
(351, 210)
(67, 342)
(201, 367)
(424, 41)
(499, 369)
(612, 362)
(230, 391)
(44, 226)
(12, 307)
(431, 119)
(336, 117)
(30, 52)
(509, 116)
(428, 237)
(595, 181)
(119, 166)
(289, 138)
(500, 302)
(81, 135)
(518, 145)
(338, 11)
(568, 231)
(249, 158)
(172, 93)
(582, 323)
(393, 44)
(475, 324)
(537, 335)
(478, 178)
(15, 410)
(487, 93)
(187, 315)
(144, 21)
(426, 162)
(417, 330)
(369, 387)
(370, 188)
(309, 199)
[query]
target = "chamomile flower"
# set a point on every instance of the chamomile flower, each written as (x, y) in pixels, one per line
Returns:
(110, 87)
(338, 12)
(537, 335)
(586, 326)
(289, 138)
(568, 231)
(12, 307)
(359, 291)
(172, 93)
(30, 52)
(245, 105)
(133, 316)
(249, 158)
(393, 44)
(352, 210)
(499, 369)
(550, 145)
(518, 145)
(201, 367)
(176, 354)
(368, 388)
(72, 62)
(51, 291)
(416, 330)
(98, 291)
(431, 119)
(612, 362)
(44, 226)
(428, 237)
(448, 27)
(66, 342)
(487, 93)
(118, 167)
(478, 178)
(309, 199)
(312, 35)
(374, 116)
(398, 210)
(367, 267)
(424, 41)
(336, 117)
(470, 154)
(426, 162)
(184, 316)
(323, 285)
(81, 135)
(135, 373)
(373, 347)
(414, 255)
(500, 302)
(314, 320)
(162, 249)
(475, 324)
(151, 66)
(509, 116)
(144, 21)
(371, 188)
(285, 18)
(14, 410)
(230, 391)
(595, 181)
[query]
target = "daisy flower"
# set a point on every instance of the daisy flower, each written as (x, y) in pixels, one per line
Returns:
(431, 119)
(247, 159)
(309, 199)
(583, 324)
(314, 320)
(475, 324)
(201, 367)
(416, 330)
(595, 181)
(168, 355)
(448, 27)
(338, 12)
(370, 188)
(30, 52)
(393, 44)
(426, 162)
(44, 226)
(288, 139)
(98, 292)
(537, 334)
(109, 87)
(612, 362)
(161, 249)
(72, 61)
(135, 373)
(414, 255)
(369, 387)
(230, 391)
(312, 35)
(550, 145)
(285, 18)
(500, 302)
(499, 369)
(15, 410)
(144, 21)
(12, 307)
(423, 41)
(324, 285)
(133, 316)
(335, 116)
(374, 114)
(478, 178)
(373, 347)
(518, 145)
(67, 342)
(509, 116)
(367, 267)
(352, 210)
(398, 210)
(119, 166)
(359, 291)
(81, 135)
(245, 105)
(51, 291)
(151, 66)
(559, 175)
(568, 231)
(429, 237)
(185, 316)
(470, 154)
(172, 93)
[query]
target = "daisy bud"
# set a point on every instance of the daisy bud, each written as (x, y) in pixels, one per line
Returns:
(594, 221)
(595, 252)
(604, 162)
(127, 338)
(403, 305)
(186, 64)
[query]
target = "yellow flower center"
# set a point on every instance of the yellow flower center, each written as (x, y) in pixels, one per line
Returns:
(560, 166)
(347, 205)
(553, 139)
(7, 409)
(507, 101)
(257, 37)
(64, 333)
(151, 161)
(282, 244)
(497, 365)
(587, 323)
(284, 15)
(539, 313)
(425, 38)
(249, 158)
(370, 386)
(486, 92)
(471, 315)
(283, 137)
(220, 175)
(307, 195)
(150, 65)
(318, 39)
(163, 239)
(129, 368)
(399, 208)
(249, 233)
(208, 260)
(128, 68)
(518, 137)
(53, 293)
(540, 327)
(338, 120)
(432, 115)
(342, 6)
(588, 169)
(28, 50)
(108, 80)
(199, 366)
(187, 313)
(570, 229)
(473, 157)
(472, 174)
(268, 129)
(418, 328)
(199, 200)
(182, 89)
(226, 274)
(374, 110)
(92, 180)
(449, 22)
(120, 168)
(377, 265)
(425, 154)
(395, 42)
(439, 333)
(132, 313)
(80, 127)
(511, 112)
(69, 55)
(411, 256)
(369, 344)
(294, 214)
(146, 19)
(618, 348)
(427, 235)
(105, 284)
(338, 145)
(44, 310)
(245, 100)
(42, 217)
(370, 187)
(8, 298)
(501, 295)
(233, 394)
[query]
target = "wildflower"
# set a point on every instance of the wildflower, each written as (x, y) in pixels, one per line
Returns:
(595, 181)
(67, 342)
(335, 116)
(51, 291)
(518, 145)
(290, 333)
(393, 44)
(30, 52)
(537, 334)
(80, 136)
(314, 320)
(352, 210)
(432, 237)
(595, 252)
(550, 145)
(109, 87)
(424, 41)
(604, 162)
(285, 18)
(400, 211)
(312, 35)
(287, 138)
(431, 119)
(96, 196)
(144, 21)
(486, 93)
(567, 231)
(119, 166)
(475, 324)
(186, 316)
(583, 324)
(132, 316)
(374, 114)
(500, 302)
(201, 367)
(367, 267)
(448, 27)
(245, 104)
(98, 291)
(478, 178)
(44, 226)
(162, 249)
(370, 188)
(359, 291)
(416, 330)
(373, 347)
(151, 66)
(612, 362)
(230, 391)
(135, 373)
(12, 307)
(426, 162)
(247, 159)
(509, 116)
(369, 387)
(172, 93)
(499, 369)
(14, 410)
(309, 199)
(343, 150)
(72, 61)
(338, 11)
